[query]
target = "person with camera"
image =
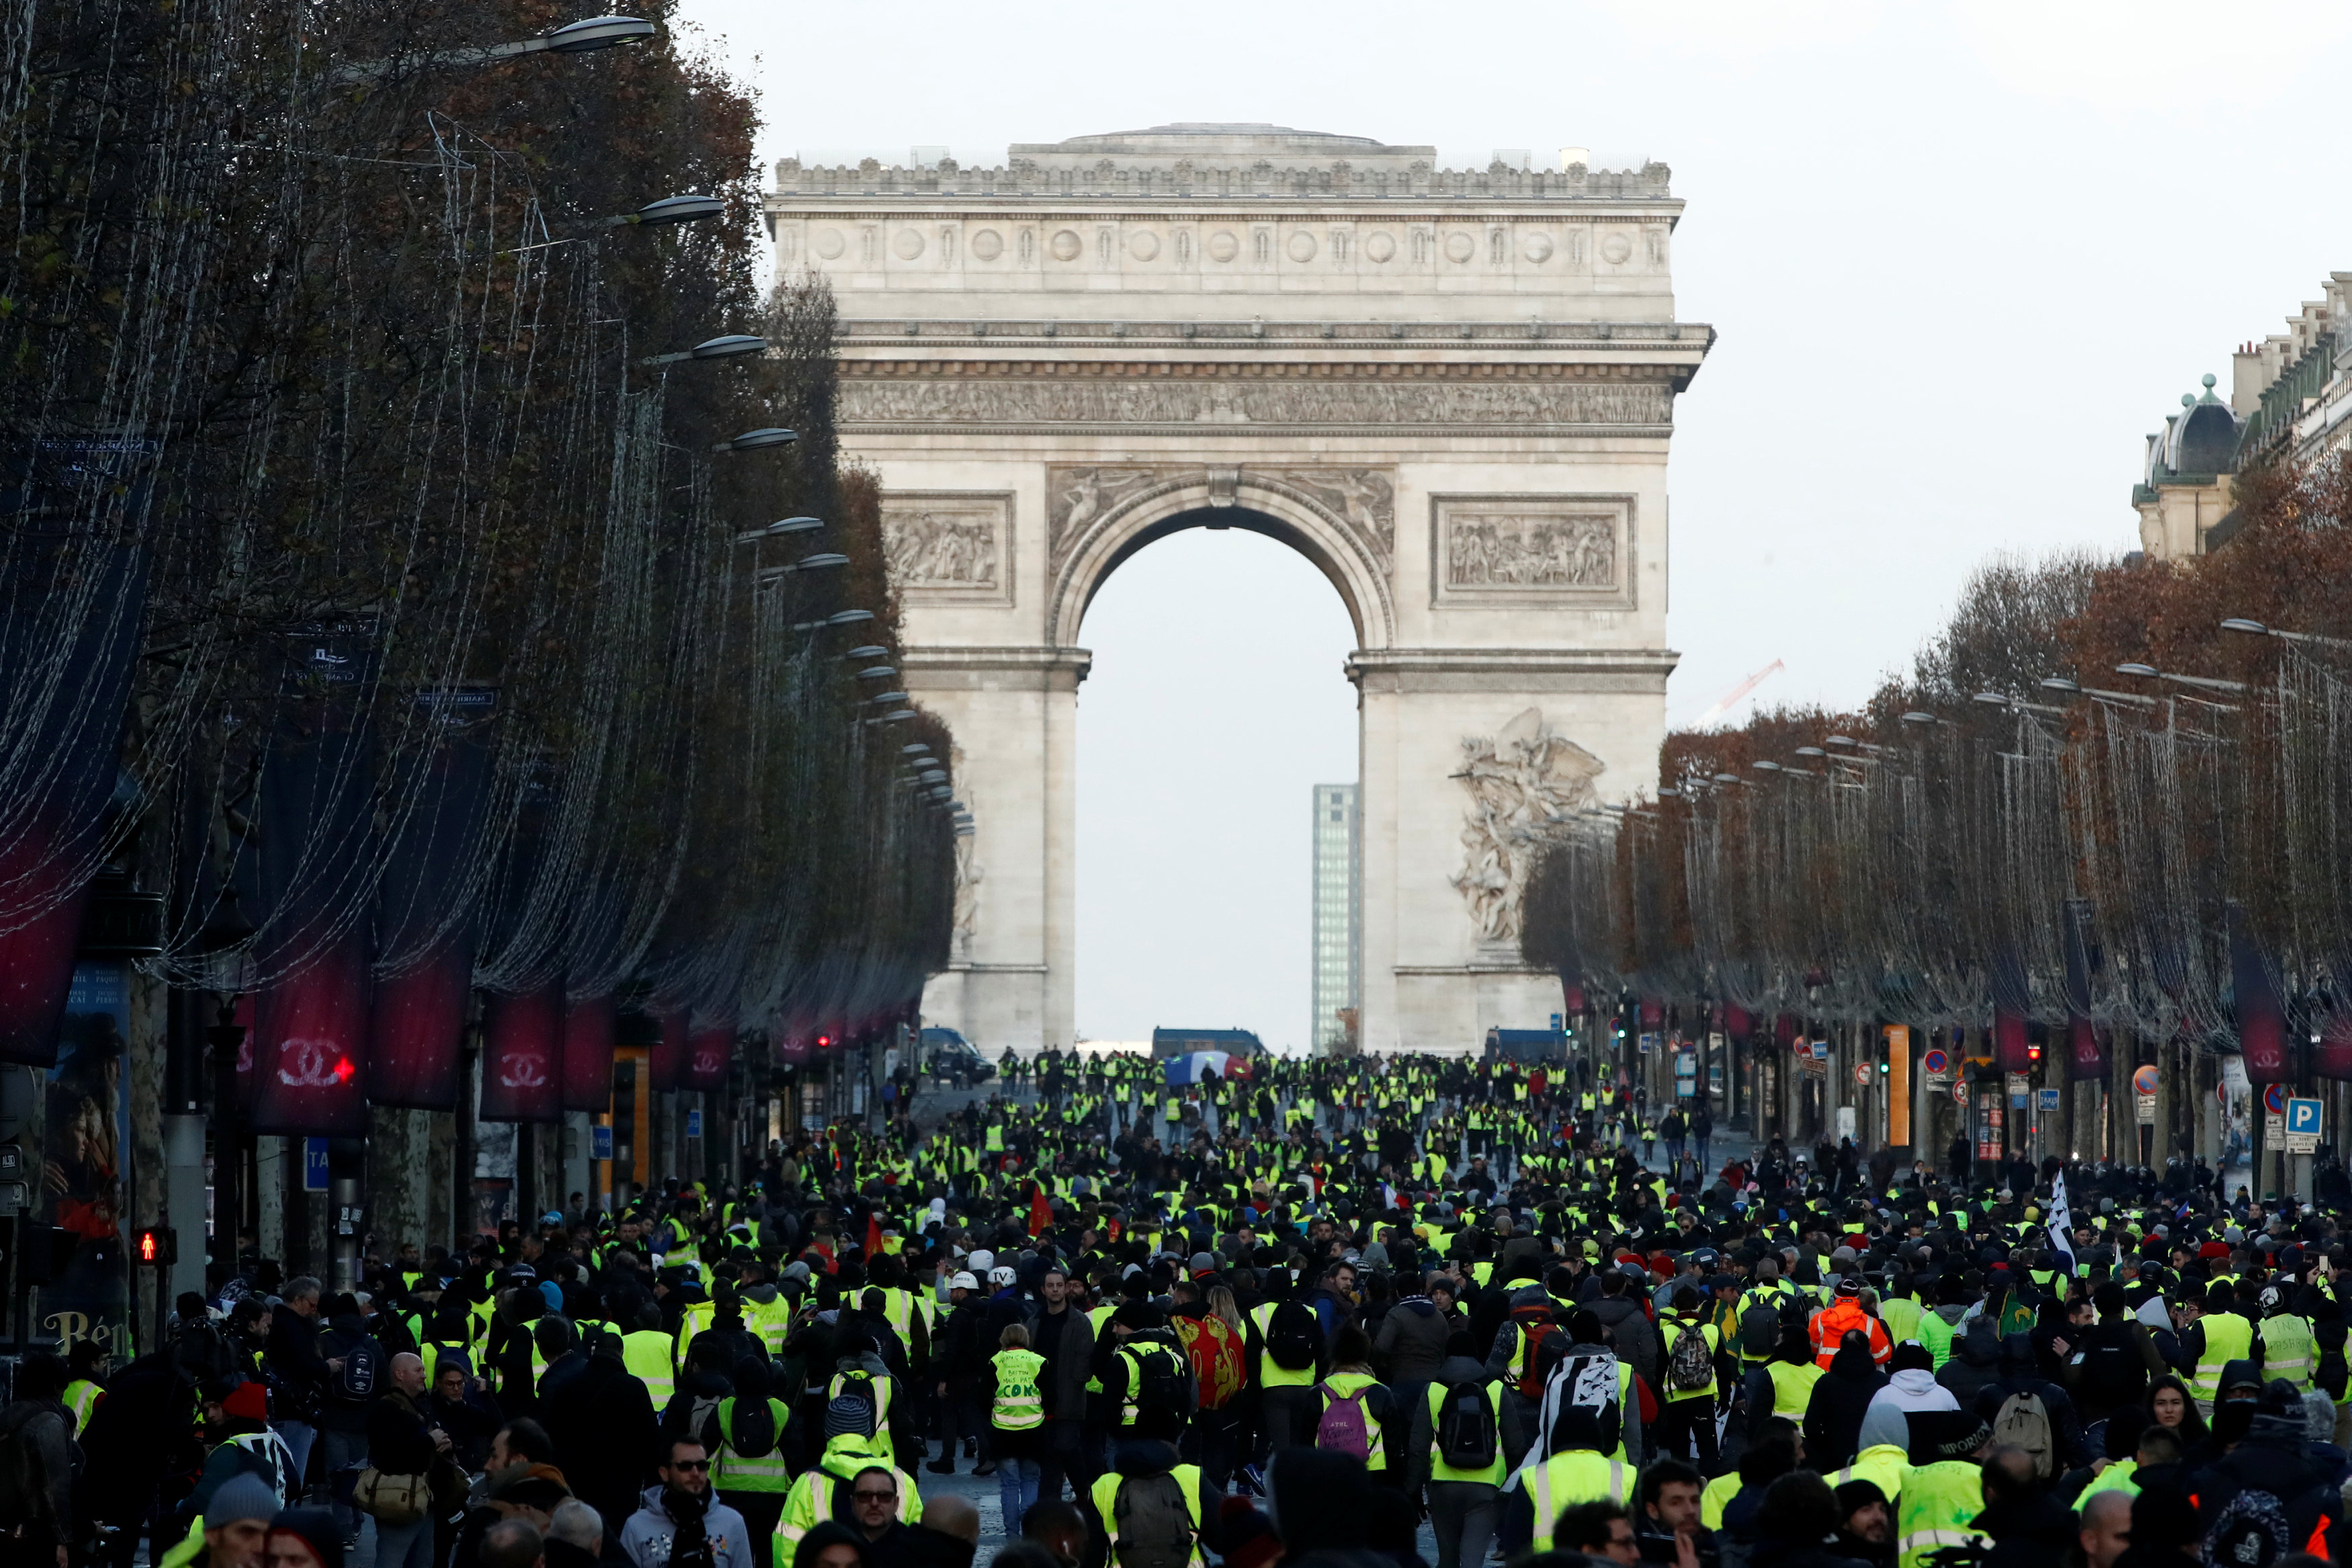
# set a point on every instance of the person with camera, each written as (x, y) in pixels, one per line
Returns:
(680, 1524)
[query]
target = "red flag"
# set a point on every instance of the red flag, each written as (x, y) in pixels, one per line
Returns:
(873, 1235)
(1041, 1211)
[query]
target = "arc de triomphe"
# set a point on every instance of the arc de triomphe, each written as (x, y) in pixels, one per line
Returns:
(1451, 391)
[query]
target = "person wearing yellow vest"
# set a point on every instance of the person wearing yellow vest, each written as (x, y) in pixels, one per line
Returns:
(1286, 1391)
(1449, 1434)
(1150, 1506)
(1782, 1387)
(2285, 1338)
(1353, 1405)
(849, 1466)
(83, 1393)
(2212, 1335)
(1944, 1491)
(749, 1467)
(1687, 1404)
(1008, 1388)
(645, 1354)
(1535, 1498)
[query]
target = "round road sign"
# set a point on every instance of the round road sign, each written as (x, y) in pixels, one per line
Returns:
(1935, 1063)
(2144, 1080)
(1960, 1093)
(2274, 1099)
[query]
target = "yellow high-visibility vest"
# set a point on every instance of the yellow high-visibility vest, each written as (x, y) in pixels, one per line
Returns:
(733, 1471)
(1939, 1502)
(1020, 1405)
(2228, 1338)
(644, 1353)
(1565, 1479)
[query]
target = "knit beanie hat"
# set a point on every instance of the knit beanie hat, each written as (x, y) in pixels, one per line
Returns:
(239, 1499)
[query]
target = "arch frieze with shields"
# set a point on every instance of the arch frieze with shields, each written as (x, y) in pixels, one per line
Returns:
(1342, 518)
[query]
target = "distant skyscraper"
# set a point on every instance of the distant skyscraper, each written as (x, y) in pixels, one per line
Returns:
(1339, 948)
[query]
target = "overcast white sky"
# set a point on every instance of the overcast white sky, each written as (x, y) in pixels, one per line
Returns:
(1961, 259)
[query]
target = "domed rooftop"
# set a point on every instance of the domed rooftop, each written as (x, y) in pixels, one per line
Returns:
(2204, 435)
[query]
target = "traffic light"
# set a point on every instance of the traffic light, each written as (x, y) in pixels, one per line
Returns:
(2034, 1052)
(824, 1042)
(156, 1245)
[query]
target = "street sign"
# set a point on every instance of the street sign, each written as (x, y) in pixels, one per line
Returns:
(2144, 1106)
(314, 1164)
(1648, 1043)
(2144, 1080)
(600, 1142)
(1862, 1075)
(2302, 1127)
(2016, 1090)
(1554, 1023)
(1936, 1064)
(2274, 1099)
(2050, 1099)
(2273, 1130)
(694, 1123)
(1960, 1092)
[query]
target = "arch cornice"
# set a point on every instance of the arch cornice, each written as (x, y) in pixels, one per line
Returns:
(1341, 519)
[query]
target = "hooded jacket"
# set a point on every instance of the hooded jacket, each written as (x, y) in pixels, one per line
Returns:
(1913, 1388)
(1629, 1328)
(647, 1537)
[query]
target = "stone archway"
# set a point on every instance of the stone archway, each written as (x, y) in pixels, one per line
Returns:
(1100, 515)
(1451, 391)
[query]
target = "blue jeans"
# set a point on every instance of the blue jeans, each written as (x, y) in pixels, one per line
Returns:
(1016, 1486)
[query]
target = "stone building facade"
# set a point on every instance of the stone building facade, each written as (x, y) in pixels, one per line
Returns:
(1453, 391)
(2290, 398)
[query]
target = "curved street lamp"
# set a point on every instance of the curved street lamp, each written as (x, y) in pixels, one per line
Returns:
(734, 347)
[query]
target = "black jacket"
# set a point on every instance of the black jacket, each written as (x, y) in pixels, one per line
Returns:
(1841, 1399)
(1975, 1362)
(2032, 1532)
(400, 1439)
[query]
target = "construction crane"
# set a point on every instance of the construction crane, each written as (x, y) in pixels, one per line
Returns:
(1729, 699)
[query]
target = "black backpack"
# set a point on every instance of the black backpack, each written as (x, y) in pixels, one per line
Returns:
(25, 1496)
(1153, 1523)
(1164, 1381)
(1293, 1336)
(356, 1382)
(759, 1427)
(1467, 1439)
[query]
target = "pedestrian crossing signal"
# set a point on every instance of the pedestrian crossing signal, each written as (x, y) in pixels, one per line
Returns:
(157, 1245)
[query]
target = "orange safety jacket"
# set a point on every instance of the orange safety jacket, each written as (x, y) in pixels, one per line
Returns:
(1834, 1321)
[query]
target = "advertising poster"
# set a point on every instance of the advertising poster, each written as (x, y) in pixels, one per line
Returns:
(85, 1115)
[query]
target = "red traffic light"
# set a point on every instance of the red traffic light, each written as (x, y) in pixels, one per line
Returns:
(2032, 1052)
(156, 1245)
(824, 1042)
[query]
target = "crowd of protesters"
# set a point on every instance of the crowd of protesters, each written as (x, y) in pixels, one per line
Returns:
(1363, 1311)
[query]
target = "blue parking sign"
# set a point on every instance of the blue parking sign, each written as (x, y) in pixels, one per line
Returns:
(2302, 1118)
(600, 1142)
